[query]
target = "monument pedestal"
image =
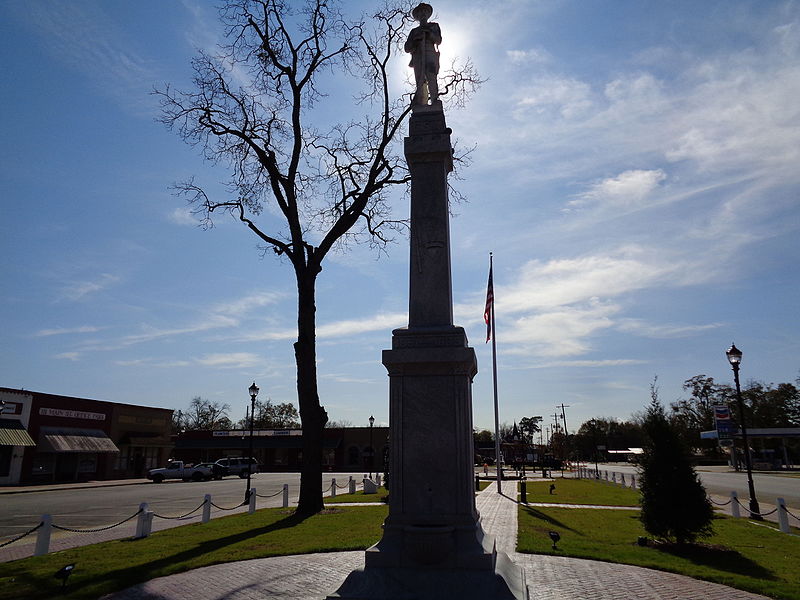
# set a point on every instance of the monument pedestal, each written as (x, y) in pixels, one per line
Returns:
(433, 546)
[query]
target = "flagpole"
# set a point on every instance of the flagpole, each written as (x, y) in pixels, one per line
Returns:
(497, 454)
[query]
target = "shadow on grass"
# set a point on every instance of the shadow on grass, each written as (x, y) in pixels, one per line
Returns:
(548, 519)
(135, 574)
(722, 559)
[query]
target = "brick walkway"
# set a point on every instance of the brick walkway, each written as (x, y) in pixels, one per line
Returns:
(313, 576)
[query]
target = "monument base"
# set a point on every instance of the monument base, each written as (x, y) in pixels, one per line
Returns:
(505, 582)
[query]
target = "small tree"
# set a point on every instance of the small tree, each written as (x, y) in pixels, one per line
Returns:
(674, 502)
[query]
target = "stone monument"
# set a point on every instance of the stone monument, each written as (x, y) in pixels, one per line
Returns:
(433, 545)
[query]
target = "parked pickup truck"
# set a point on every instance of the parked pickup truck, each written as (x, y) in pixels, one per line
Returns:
(175, 469)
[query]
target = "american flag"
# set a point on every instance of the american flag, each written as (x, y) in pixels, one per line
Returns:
(487, 312)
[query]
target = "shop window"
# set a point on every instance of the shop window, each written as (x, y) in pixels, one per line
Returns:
(87, 463)
(121, 462)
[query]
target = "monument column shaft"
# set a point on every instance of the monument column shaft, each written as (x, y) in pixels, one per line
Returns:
(430, 159)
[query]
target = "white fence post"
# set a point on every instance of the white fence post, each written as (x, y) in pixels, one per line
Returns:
(622, 479)
(43, 538)
(207, 508)
(252, 508)
(783, 516)
(735, 504)
(378, 479)
(613, 477)
(633, 482)
(148, 523)
(333, 488)
(285, 495)
(140, 521)
(352, 485)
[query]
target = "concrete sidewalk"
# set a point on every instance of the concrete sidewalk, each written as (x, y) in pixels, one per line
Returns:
(313, 576)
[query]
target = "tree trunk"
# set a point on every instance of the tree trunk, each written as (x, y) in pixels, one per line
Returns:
(312, 416)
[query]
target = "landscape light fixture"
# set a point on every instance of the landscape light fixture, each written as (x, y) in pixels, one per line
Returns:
(735, 358)
(253, 390)
(371, 447)
(554, 535)
(63, 574)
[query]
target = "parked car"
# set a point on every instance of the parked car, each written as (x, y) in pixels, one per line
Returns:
(176, 469)
(217, 471)
(238, 466)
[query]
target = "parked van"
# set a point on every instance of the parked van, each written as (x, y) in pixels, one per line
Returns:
(238, 466)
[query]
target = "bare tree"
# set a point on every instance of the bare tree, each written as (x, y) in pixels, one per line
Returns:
(253, 108)
(206, 415)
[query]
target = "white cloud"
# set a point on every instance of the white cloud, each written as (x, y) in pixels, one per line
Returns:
(532, 55)
(78, 290)
(65, 331)
(553, 94)
(231, 360)
(642, 328)
(182, 215)
(627, 189)
(612, 362)
(84, 37)
(73, 356)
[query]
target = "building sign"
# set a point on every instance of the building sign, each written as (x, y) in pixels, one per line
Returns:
(725, 425)
(71, 414)
(10, 408)
(258, 432)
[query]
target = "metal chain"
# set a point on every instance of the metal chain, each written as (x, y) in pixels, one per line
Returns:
(341, 487)
(747, 508)
(232, 508)
(719, 503)
(99, 528)
(19, 537)
(790, 514)
(268, 495)
(155, 514)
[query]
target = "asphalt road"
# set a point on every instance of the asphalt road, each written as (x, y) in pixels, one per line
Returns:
(94, 507)
(768, 486)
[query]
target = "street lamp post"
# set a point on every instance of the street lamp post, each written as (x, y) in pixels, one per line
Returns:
(253, 393)
(371, 447)
(735, 357)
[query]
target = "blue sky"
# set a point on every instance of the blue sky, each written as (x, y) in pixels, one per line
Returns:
(636, 176)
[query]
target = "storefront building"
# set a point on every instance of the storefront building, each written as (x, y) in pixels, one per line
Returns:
(78, 439)
(348, 449)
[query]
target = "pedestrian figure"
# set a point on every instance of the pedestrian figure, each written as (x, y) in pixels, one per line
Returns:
(486, 469)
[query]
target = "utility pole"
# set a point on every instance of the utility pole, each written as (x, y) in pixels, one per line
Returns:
(564, 416)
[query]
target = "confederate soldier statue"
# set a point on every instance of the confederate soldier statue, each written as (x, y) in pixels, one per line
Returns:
(422, 44)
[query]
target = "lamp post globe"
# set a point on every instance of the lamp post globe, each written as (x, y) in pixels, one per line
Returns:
(253, 391)
(371, 447)
(735, 358)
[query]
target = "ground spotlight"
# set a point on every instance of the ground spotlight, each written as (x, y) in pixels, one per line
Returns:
(63, 574)
(555, 537)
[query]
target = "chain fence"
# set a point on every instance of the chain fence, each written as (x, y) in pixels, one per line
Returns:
(279, 492)
(719, 503)
(183, 516)
(763, 514)
(19, 537)
(98, 529)
(241, 504)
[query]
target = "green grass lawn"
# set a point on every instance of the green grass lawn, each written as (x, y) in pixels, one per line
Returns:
(752, 557)
(582, 491)
(110, 566)
(358, 497)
